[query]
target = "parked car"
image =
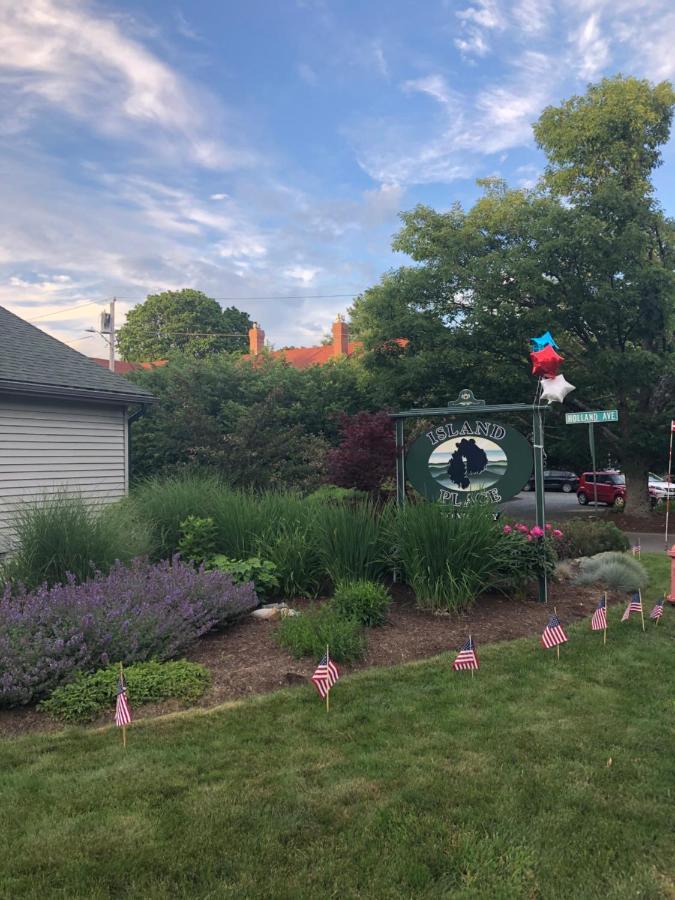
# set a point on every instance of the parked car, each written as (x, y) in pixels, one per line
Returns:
(556, 480)
(659, 489)
(611, 488)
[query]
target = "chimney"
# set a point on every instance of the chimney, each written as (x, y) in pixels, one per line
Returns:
(340, 337)
(256, 339)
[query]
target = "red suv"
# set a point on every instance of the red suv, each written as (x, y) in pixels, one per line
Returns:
(611, 488)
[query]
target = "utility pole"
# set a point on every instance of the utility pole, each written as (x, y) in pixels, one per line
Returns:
(111, 359)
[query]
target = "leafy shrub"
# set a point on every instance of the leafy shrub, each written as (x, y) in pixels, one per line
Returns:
(363, 601)
(197, 542)
(132, 614)
(587, 537)
(332, 493)
(312, 631)
(88, 695)
(261, 572)
(366, 454)
(613, 571)
(65, 534)
(524, 554)
(448, 557)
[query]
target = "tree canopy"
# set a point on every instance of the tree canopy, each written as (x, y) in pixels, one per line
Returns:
(588, 254)
(184, 321)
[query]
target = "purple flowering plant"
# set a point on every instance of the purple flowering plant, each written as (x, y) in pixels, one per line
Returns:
(135, 613)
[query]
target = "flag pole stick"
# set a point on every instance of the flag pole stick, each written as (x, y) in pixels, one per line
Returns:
(642, 612)
(604, 638)
(670, 467)
(557, 646)
(472, 665)
(327, 682)
(124, 727)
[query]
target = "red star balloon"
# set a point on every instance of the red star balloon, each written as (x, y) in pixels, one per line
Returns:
(546, 362)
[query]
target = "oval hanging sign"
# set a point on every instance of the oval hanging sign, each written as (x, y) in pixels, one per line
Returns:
(469, 461)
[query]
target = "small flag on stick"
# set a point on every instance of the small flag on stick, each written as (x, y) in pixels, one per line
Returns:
(599, 619)
(122, 709)
(554, 634)
(657, 612)
(466, 658)
(325, 676)
(635, 605)
(636, 550)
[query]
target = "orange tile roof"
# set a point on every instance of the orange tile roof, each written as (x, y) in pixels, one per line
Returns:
(123, 368)
(304, 357)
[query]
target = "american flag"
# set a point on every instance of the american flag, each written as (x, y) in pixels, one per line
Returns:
(466, 658)
(657, 612)
(553, 634)
(122, 710)
(635, 605)
(325, 675)
(599, 620)
(636, 550)
(672, 425)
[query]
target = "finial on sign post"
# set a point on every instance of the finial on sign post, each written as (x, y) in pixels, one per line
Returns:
(466, 398)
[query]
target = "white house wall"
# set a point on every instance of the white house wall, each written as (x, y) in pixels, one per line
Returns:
(48, 447)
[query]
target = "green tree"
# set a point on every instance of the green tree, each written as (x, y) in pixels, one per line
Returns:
(184, 321)
(588, 254)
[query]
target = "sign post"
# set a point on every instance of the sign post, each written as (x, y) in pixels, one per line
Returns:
(591, 418)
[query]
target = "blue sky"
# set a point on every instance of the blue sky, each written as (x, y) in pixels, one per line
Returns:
(264, 149)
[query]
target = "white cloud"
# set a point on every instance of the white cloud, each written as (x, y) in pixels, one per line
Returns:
(62, 56)
(307, 73)
(433, 85)
(304, 274)
(592, 47)
(476, 22)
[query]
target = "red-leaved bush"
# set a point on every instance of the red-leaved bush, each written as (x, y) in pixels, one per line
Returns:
(366, 455)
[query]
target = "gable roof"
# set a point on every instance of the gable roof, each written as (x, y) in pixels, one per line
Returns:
(304, 357)
(33, 362)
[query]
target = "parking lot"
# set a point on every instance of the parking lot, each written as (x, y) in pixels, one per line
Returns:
(558, 506)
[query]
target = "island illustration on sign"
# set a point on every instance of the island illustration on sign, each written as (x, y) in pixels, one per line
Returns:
(468, 464)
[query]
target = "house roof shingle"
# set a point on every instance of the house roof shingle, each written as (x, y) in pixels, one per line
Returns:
(33, 362)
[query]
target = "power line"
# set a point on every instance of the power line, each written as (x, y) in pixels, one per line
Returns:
(257, 299)
(66, 309)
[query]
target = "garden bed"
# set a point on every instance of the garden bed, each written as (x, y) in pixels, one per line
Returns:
(245, 660)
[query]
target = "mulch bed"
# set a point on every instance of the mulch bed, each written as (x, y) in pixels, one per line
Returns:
(244, 660)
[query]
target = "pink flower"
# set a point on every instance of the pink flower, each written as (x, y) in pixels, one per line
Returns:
(537, 532)
(530, 538)
(557, 534)
(507, 529)
(523, 529)
(548, 526)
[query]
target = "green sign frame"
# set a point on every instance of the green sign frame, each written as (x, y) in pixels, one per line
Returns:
(503, 453)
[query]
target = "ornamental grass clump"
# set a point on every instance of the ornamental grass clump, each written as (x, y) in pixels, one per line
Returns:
(134, 613)
(64, 534)
(613, 572)
(448, 557)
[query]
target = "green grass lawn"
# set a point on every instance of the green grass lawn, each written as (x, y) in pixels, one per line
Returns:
(420, 782)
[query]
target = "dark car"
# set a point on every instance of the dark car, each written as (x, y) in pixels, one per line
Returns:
(556, 480)
(611, 488)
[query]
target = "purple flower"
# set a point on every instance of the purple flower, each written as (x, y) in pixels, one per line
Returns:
(134, 613)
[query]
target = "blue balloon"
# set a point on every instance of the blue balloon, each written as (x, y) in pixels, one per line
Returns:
(544, 340)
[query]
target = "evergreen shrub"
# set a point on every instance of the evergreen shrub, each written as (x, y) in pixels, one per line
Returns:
(317, 628)
(150, 682)
(366, 602)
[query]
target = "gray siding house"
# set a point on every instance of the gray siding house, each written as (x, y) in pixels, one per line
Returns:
(64, 422)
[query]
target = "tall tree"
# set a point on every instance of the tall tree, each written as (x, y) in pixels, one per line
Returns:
(588, 253)
(187, 321)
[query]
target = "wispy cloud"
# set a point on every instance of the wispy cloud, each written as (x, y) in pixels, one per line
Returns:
(62, 56)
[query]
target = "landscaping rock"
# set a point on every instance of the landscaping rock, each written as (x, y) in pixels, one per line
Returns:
(274, 611)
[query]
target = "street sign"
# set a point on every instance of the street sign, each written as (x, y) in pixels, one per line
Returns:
(589, 418)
